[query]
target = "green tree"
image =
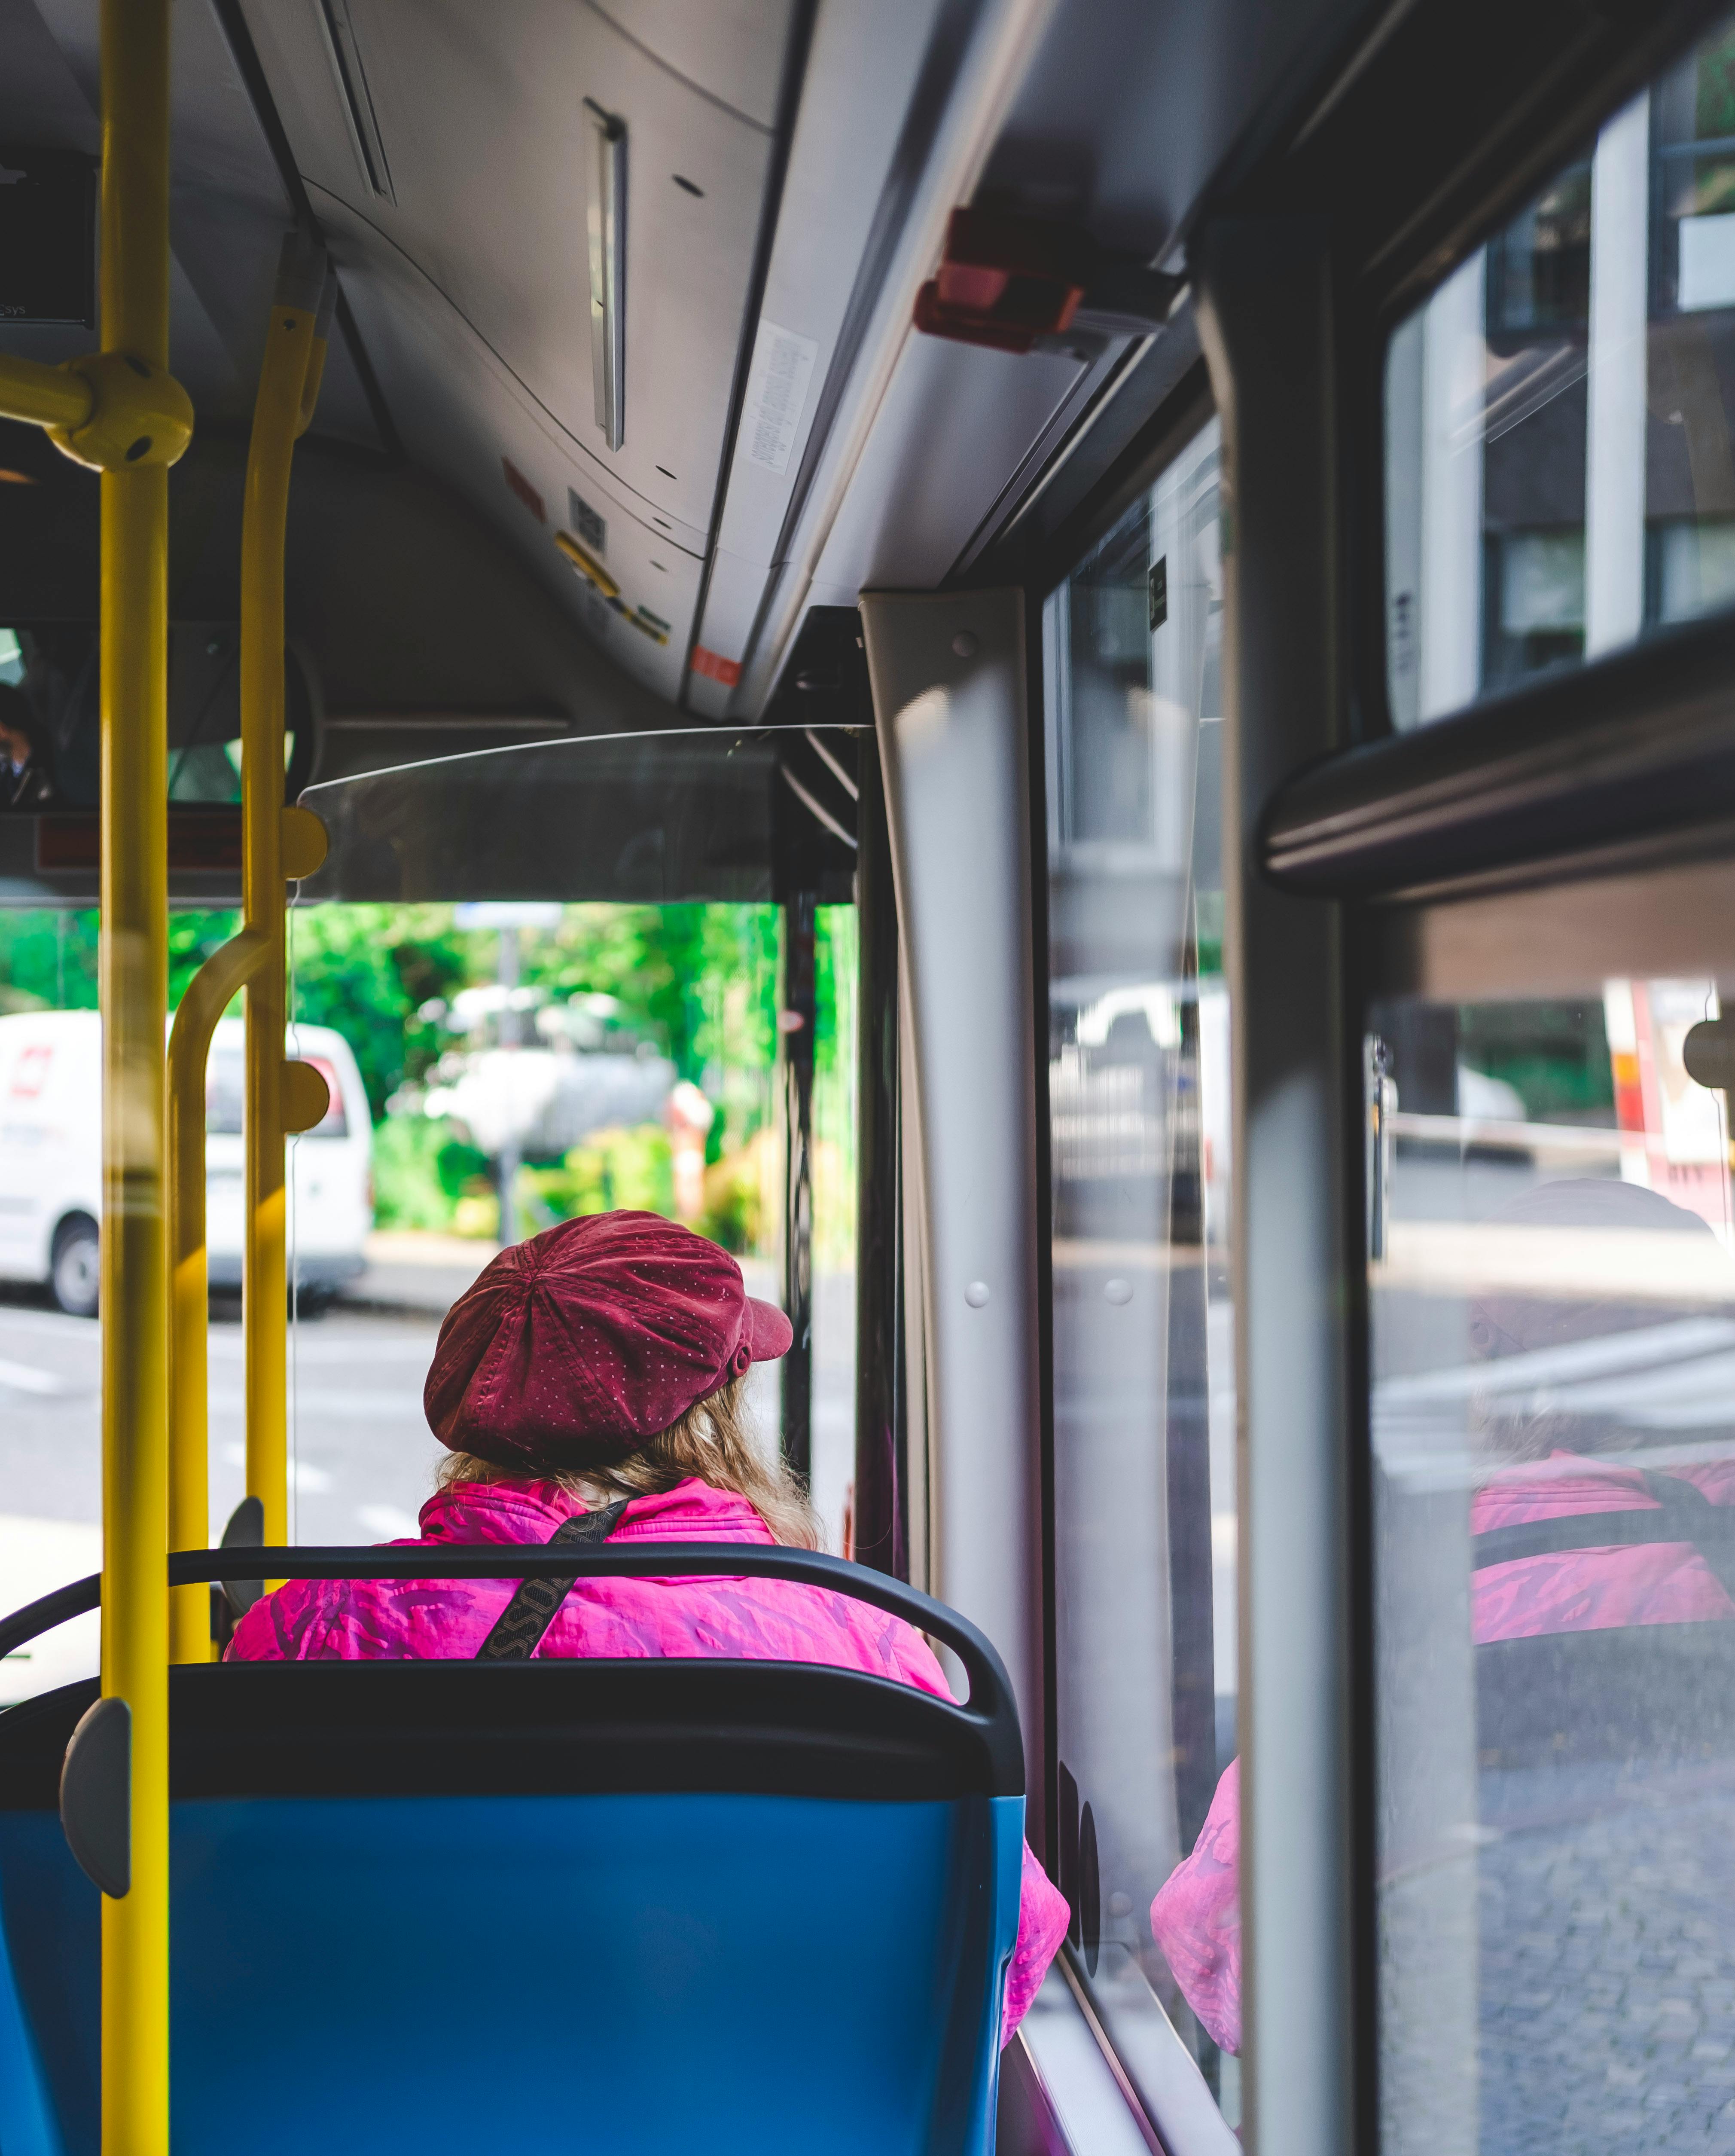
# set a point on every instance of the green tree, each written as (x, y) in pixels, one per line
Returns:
(367, 971)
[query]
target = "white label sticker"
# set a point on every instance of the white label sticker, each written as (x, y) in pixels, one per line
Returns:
(776, 394)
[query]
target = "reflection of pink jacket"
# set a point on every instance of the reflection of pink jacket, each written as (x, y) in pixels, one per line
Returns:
(751, 1620)
(1196, 1918)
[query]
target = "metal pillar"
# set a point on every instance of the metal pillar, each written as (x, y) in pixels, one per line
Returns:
(799, 1014)
(510, 1157)
(949, 684)
(1266, 322)
(881, 1507)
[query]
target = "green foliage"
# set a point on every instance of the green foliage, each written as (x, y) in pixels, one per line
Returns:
(613, 1168)
(699, 983)
(1555, 1056)
(1714, 101)
(408, 1191)
(366, 970)
(734, 1200)
(49, 955)
(460, 1167)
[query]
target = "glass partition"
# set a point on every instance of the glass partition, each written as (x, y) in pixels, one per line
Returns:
(1144, 1501)
(1552, 1299)
(550, 981)
(1559, 414)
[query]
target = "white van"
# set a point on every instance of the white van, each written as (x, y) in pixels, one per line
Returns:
(51, 1159)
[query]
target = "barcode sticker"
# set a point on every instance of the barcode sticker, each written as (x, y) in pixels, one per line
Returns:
(776, 394)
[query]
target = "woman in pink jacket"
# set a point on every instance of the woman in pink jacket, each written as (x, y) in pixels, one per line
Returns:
(602, 1366)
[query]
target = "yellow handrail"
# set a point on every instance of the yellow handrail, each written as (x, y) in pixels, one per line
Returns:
(208, 994)
(303, 292)
(134, 970)
(43, 396)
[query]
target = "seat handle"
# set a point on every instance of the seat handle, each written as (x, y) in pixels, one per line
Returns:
(992, 1705)
(96, 1795)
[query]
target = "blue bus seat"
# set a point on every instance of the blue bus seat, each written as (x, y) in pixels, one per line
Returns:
(432, 1908)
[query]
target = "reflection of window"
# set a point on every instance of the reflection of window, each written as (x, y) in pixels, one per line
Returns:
(1539, 267)
(1537, 588)
(1694, 125)
(211, 771)
(1560, 413)
(1694, 568)
(1706, 276)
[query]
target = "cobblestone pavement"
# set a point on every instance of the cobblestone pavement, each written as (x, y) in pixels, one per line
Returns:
(1607, 1959)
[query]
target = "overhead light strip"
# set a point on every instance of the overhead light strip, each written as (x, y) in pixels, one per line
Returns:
(352, 78)
(605, 222)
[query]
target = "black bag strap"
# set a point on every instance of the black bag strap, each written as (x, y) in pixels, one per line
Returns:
(1681, 1513)
(518, 1632)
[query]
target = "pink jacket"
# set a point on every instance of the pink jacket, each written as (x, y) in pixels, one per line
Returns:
(1196, 1918)
(753, 1620)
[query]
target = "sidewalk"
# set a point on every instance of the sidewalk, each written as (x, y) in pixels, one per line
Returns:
(410, 1271)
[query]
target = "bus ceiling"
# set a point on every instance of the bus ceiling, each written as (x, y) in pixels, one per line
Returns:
(625, 380)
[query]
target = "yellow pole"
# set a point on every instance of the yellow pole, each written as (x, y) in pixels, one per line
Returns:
(277, 420)
(121, 413)
(134, 965)
(208, 995)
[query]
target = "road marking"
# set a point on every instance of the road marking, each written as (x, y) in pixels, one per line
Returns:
(24, 1377)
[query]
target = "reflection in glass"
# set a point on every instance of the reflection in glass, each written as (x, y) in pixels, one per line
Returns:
(1138, 1099)
(1553, 1430)
(1559, 477)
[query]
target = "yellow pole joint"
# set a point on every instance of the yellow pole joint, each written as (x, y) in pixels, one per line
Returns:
(137, 414)
(110, 410)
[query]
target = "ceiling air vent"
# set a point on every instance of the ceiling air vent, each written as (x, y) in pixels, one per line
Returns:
(364, 134)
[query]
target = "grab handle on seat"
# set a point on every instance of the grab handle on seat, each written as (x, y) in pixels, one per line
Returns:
(992, 1705)
(96, 1795)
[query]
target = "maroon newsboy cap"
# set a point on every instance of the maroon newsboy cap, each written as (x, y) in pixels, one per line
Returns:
(573, 1348)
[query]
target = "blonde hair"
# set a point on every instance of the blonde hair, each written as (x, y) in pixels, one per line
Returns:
(713, 1440)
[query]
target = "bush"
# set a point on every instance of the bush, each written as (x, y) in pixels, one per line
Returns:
(463, 1168)
(740, 1195)
(425, 1177)
(612, 1169)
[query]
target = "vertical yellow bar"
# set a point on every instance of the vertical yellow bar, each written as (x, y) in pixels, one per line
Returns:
(276, 421)
(135, 286)
(189, 1439)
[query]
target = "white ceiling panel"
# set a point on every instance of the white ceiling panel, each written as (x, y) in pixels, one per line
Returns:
(732, 49)
(461, 412)
(480, 118)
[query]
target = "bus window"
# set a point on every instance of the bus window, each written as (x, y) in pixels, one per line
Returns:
(1144, 1409)
(1559, 414)
(1553, 1295)
(574, 978)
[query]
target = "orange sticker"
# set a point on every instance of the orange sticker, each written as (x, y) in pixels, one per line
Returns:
(714, 667)
(525, 491)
